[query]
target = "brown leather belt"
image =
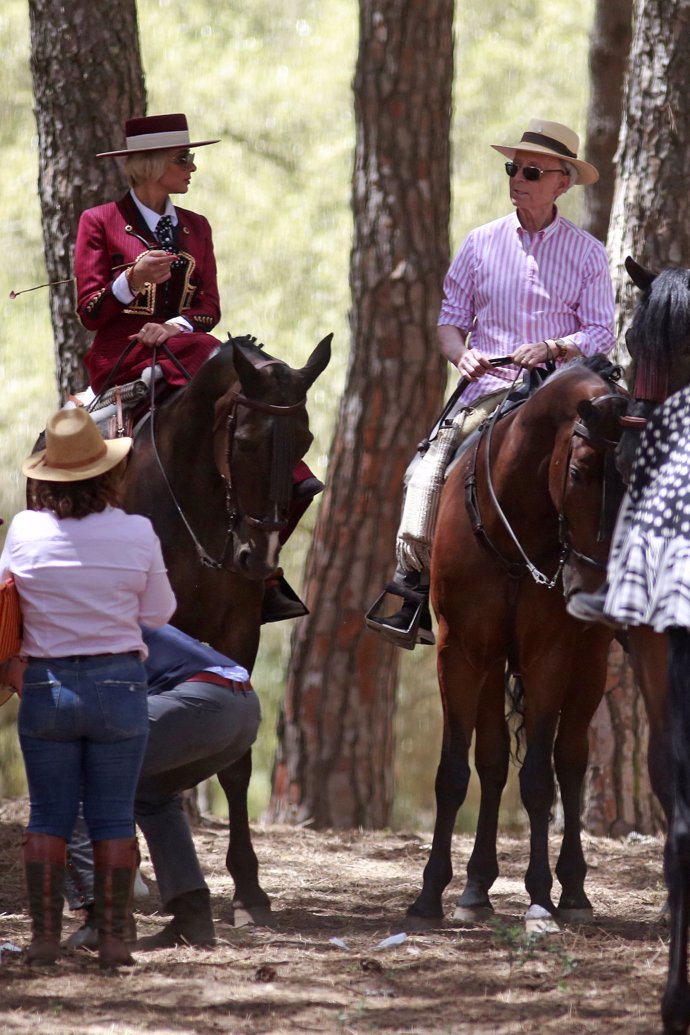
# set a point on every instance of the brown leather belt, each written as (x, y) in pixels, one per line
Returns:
(213, 677)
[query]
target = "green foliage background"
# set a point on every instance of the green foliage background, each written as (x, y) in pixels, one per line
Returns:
(273, 79)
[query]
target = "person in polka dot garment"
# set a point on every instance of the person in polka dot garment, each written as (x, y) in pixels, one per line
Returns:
(648, 575)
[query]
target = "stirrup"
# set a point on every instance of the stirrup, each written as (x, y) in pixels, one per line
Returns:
(405, 638)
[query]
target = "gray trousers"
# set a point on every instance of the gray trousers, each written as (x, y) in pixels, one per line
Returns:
(195, 730)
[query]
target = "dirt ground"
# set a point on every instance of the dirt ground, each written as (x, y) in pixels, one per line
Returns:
(490, 979)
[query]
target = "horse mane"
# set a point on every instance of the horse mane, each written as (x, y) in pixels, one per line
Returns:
(661, 324)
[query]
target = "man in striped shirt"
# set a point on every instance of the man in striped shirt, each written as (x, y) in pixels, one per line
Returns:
(532, 286)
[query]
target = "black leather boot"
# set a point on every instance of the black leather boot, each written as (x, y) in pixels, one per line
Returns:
(280, 600)
(410, 624)
(192, 923)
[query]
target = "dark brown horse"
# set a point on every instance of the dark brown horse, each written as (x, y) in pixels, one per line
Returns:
(212, 469)
(523, 504)
(659, 343)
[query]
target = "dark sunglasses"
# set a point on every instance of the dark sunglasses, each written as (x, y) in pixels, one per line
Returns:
(183, 160)
(530, 172)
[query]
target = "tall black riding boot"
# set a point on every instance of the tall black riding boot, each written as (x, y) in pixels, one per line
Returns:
(44, 864)
(280, 600)
(115, 865)
(192, 923)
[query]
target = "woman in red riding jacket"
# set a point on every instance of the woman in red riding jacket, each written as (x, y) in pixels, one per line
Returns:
(145, 270)
(146, 274)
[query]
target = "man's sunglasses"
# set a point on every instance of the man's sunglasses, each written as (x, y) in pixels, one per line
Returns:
(530, 172)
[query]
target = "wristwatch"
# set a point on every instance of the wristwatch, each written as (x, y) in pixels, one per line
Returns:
(561, 346)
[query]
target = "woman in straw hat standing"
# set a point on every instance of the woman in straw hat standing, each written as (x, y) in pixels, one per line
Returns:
(531, 285)
(87, 574)
(145, 270)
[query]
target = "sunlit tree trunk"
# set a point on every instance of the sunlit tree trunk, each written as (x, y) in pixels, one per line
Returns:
(334, 762)
(609, 48)
(87, 79)
(650, 220)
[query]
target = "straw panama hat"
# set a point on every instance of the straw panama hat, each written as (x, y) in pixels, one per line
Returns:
(552, 138)
(75, 449)
(154, 132)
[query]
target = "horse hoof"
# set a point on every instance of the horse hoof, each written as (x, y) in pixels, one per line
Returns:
(252, 916)
(540, 921)
(473, 914)
(581, 915)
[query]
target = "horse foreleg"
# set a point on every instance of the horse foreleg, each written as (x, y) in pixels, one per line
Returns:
(537, 793)
(570, 757)
(250, 903)
(491, 756)
(458, 684)
(452, 778)
(675, 1007)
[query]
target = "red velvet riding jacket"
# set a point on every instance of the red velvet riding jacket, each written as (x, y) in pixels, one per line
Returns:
(106, 243)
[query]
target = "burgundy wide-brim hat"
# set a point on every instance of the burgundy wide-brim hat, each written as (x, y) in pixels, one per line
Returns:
(153, 132)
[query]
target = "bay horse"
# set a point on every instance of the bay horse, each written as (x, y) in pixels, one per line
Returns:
(212, 469)
(520, 515)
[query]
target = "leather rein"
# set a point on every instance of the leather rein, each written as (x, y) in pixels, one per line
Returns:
(517, 569)
(281, 474)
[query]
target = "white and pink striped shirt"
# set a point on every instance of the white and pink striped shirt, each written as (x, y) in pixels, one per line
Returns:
(511, 287)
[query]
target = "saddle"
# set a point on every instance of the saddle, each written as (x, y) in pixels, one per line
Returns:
(119, 410)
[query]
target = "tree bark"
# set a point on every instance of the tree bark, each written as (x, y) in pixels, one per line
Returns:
(334, 762)
(650, 217)
(87, 79)
(650, 220)
(608, 59)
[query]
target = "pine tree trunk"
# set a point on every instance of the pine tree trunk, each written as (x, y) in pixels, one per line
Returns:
(608, 60)
(618, 797)
(87, 79)
(650, 218)
(334, 764)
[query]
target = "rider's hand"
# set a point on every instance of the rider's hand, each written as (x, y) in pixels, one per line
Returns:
(472, 364)
(151, 268)
(155, 333)
(533, 354)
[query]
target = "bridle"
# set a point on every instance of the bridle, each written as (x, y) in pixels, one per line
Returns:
(516, 569)
(280, 489)
(609, 502)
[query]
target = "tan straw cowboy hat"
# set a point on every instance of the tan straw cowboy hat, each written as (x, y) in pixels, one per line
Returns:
(552, 138)
(154, 132)
(75, 450)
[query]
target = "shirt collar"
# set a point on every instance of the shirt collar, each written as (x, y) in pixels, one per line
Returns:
(546, 232)
(150, 217)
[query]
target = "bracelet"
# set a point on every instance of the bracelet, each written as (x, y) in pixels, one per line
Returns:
(128, 276)
(555, 348)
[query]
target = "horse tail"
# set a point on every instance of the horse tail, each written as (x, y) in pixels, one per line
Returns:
(515, 715)
(679, 721)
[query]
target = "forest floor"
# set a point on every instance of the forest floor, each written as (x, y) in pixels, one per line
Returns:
(321, 968)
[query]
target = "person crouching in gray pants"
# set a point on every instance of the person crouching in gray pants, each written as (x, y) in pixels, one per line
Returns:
(203, 716)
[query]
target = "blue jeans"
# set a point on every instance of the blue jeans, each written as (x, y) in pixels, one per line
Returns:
(83, 727)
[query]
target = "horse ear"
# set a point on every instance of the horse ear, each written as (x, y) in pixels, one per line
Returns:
(640, 276)
(249, 376)
(317, 362)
